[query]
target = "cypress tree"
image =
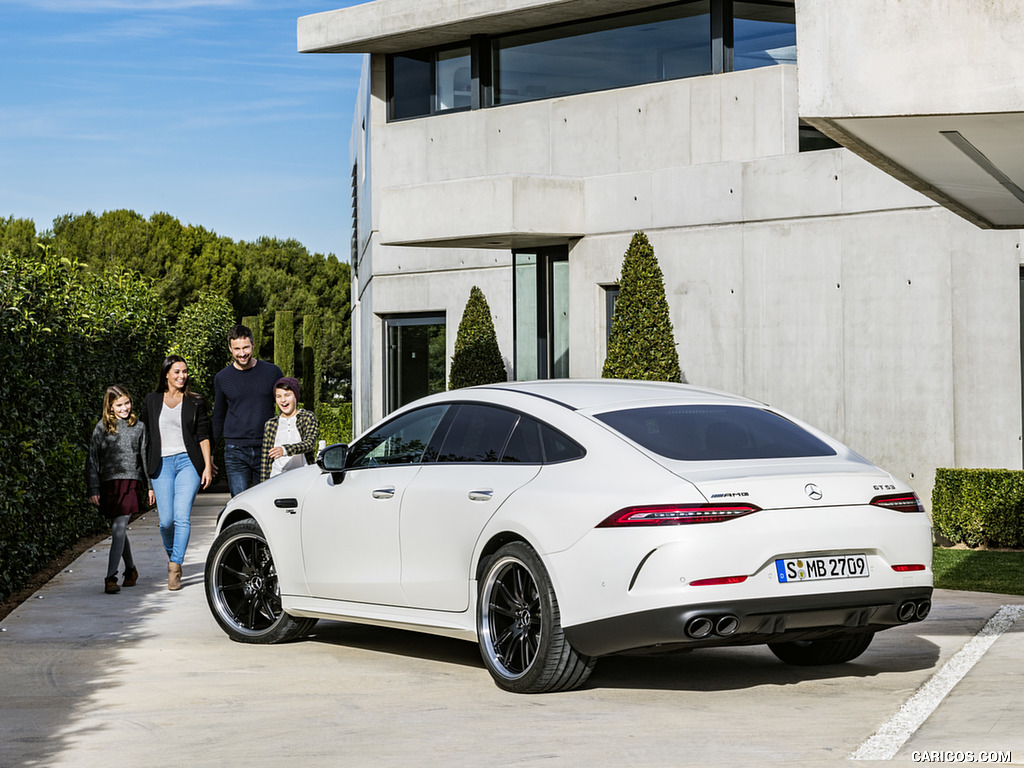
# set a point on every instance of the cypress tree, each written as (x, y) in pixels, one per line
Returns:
(641, 344)
(284, 341)
(477, 358)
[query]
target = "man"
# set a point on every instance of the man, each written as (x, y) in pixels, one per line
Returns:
(243, 403)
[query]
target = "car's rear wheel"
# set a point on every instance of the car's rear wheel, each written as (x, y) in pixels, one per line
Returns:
(519, 626)
(832, 650)
(242, 588)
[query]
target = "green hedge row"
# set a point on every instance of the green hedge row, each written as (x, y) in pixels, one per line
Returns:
(65, 334)
(979, 506)
(335, 422)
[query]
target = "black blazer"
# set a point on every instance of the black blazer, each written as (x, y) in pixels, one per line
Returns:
(195, 427)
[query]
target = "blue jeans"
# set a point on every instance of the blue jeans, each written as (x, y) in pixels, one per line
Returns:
(175, 488)
(242, 465)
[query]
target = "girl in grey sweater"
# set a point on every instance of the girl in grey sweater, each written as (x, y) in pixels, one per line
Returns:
(115, 473)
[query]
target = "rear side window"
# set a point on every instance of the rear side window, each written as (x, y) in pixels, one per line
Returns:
(477, 433)
(715, 433)
(535, 443)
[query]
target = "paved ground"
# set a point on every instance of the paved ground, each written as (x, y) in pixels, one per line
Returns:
(145, 678)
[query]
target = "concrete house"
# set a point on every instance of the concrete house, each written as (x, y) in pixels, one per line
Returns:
(829, 187)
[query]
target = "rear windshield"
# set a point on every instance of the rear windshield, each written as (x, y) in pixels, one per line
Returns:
(715, 433)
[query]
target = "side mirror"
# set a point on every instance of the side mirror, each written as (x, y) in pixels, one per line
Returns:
(332, 459)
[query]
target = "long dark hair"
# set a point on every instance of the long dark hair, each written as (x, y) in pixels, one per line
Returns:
(161, 384)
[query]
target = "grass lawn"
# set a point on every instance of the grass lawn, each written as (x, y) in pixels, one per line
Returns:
(977, 570)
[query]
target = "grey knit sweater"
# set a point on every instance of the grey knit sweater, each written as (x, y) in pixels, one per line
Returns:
(120, 456)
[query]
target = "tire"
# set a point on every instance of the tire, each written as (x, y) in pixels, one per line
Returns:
(815, 653)
(242, 588)
(520, 631)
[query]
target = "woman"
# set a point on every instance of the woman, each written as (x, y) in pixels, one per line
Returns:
(179, 460)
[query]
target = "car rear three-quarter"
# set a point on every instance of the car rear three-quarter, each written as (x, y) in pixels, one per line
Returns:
(784, 538)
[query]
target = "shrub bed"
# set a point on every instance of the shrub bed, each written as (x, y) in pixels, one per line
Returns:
(980, 507)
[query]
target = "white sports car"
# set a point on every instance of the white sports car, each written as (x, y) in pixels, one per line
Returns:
(554, 522)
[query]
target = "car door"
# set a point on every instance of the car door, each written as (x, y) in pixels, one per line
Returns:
(451, 499)
(350, 524)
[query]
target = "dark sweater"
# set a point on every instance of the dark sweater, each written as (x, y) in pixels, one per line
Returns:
(243, 403)
(117, 456)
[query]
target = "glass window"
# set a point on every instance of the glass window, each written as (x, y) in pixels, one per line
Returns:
(535, 443)
(411, 84)
(478, 433)
(598, 54)
(453, 80)
(400, 441)
(540, 288)
(764, 34)
(415, 363)
(429, 81)
(715, 433)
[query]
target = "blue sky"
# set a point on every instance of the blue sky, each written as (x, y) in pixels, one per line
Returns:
(201, 109)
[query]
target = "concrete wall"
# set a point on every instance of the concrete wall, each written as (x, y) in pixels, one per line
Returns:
(812, 281)
(891, 57)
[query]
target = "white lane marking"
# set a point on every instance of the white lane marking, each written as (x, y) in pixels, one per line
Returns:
(888, 739)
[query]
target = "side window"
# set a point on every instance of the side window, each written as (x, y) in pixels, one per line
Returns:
(399, 441)
(477, 433)
(535, 443)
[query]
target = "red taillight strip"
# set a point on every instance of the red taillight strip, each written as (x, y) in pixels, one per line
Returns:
(676, 514)
(719, 580)
(908, 567)
(901, 502)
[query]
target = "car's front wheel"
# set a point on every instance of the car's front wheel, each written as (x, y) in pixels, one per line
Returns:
(519, 626)
(832, 650)
(242, 588)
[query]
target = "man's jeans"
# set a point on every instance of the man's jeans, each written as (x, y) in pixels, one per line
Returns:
(242, 465)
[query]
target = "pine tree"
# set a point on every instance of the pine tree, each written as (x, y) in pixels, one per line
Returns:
(641, 344)
(477, 358)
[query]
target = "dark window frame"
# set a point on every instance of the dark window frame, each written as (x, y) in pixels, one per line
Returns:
(481, 47)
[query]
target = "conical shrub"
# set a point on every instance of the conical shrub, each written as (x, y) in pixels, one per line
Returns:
(642, 344)
(477, 359)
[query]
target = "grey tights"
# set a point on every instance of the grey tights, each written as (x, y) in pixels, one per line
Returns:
(119, 546)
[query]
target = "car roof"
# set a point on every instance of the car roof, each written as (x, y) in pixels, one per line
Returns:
(610, 394)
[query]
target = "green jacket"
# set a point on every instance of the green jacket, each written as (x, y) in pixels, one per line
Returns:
(309, 429)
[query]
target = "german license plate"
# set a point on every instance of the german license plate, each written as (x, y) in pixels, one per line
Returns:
(823, 567)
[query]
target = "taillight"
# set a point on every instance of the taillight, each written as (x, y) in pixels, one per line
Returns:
(676, 514)
(901, 502)
(908, 567)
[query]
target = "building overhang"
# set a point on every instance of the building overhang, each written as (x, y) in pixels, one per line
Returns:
(392, 26)
(509, 211)
(932, 92)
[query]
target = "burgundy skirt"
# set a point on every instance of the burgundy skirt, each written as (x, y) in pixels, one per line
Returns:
(119, 497)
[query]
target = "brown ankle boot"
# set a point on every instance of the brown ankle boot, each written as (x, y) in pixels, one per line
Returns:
(173, 576)
(131, 577)
(110, 585)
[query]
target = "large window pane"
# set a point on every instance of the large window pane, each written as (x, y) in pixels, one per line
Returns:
(453, 79)
(595, 55)
(415, 358)
(541, 313)
(764, 34)
(411, 84)
(526, 317)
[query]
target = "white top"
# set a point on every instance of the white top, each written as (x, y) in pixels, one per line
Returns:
(287, 433)
(172, 441)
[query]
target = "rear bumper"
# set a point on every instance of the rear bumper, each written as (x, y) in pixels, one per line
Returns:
(751, 622)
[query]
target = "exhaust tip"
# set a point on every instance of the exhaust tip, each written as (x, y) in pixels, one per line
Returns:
(699, 627)
(906, 611)
(726, 625)
(924, 607)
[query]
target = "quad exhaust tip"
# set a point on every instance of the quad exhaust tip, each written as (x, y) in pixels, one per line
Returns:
(914, 610)
(700, 627)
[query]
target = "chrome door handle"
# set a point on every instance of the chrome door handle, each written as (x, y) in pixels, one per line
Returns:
(384, 493)
(481, 495)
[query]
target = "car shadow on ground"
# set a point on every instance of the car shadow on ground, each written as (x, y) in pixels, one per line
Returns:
(705, 669)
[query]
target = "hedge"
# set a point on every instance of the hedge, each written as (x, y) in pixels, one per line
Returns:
(65, 334)
(335, 422)
(979, 507)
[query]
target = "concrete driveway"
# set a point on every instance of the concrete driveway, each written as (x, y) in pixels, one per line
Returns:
(146, 678)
